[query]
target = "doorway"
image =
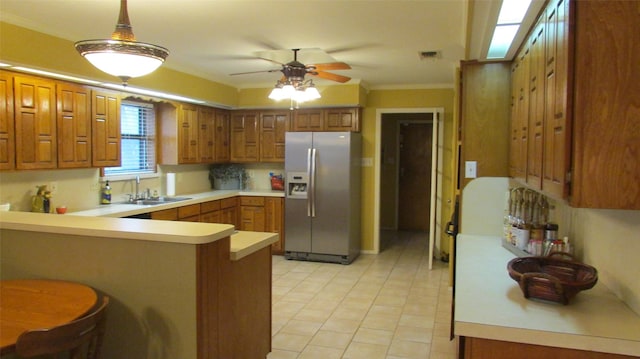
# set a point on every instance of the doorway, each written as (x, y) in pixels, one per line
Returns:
(386, 184)
(414, 175)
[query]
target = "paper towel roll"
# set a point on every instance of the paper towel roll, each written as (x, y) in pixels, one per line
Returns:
(171, 184)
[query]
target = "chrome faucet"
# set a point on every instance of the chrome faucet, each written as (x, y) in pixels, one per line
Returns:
(137, 194)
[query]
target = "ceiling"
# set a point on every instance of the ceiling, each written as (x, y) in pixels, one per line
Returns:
(381, 40)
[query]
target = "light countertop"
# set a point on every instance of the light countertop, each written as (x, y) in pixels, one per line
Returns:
(126, 209)
(244, 243)
(490, 305)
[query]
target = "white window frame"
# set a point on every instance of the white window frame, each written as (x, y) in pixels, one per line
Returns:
(149, 135)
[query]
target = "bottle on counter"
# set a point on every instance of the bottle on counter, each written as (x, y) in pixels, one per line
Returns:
(105, 197)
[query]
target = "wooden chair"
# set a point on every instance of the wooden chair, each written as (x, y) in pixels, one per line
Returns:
(83, 335)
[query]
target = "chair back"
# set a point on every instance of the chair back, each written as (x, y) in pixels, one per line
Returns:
(82, 338)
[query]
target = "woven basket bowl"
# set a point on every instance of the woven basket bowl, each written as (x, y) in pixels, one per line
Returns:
(551, 279)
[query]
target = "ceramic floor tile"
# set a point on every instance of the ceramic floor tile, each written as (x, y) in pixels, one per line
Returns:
(315, 352)
(388, 305)
(414, 334)
(373, 336)
(409, 349)
(365, 351)
(331, 339)
(290, 342)
(282, 354)
(301, 327)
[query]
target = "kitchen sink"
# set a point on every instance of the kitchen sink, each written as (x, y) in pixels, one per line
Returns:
(159, 200)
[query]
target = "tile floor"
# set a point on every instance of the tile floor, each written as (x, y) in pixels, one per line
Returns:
(388, 306)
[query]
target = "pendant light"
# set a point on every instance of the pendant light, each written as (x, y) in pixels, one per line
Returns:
(122, 55)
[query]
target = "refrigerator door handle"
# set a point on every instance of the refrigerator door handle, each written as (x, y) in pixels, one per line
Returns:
(309, 176)
(312, 179)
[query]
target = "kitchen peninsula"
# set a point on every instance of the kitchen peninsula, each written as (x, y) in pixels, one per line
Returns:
(178, 289)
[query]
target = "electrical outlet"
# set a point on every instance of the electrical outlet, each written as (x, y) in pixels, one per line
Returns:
(53, 187)
(470, 168)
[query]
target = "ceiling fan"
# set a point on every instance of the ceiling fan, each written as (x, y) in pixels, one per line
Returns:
(295, 71)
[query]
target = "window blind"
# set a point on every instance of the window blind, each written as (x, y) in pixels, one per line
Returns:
(138, 139)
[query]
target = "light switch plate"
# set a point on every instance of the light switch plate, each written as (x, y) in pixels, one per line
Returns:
(470, 169)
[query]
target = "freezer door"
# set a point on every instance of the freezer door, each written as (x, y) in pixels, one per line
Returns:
(331, 183)
(297, 222)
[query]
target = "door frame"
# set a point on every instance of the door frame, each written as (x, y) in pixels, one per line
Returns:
(436, 174)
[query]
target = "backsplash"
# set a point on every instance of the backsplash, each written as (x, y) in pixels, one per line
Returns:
(79, 189)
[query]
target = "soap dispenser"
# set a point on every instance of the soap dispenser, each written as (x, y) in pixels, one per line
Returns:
(105, 196)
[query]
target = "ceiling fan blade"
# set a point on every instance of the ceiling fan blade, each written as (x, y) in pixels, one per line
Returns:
(330, 76)
(331, 66)
(255, 72)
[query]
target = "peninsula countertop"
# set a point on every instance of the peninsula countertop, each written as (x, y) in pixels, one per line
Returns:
(242, 243)
(490, 305)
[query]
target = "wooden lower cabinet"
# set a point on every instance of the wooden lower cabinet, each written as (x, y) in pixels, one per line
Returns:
(478, 348)
(274, 221)
(246, 213)
(170, 214)
(252, 214)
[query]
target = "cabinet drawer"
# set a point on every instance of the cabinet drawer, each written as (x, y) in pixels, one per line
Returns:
(170, 214)
(206, 207)
(189, 211)
(252, 201)
(228, 202)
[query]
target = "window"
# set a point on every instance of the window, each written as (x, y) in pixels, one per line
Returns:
(138, 142)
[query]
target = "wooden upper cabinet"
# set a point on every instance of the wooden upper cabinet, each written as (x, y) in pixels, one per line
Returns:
(342, 119)
(222, 145)
(557, 140)
(206, 134)
(7, 130)
(35, 122)
(74, 125)
(188, 133)
(273, 126)
(606, 111)
(308, 120)
(245, 136)
(536, 78)
(105, 127)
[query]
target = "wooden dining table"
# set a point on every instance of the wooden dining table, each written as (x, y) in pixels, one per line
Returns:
(40, 303)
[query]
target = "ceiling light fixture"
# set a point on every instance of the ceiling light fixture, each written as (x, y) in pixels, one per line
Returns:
(512, 12)
(294, 90)
(122, 55)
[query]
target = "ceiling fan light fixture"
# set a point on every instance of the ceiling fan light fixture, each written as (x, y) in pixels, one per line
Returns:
(312, 92)
(122, 55)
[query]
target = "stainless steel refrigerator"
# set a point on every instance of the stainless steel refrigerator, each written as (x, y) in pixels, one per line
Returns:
(322, 196)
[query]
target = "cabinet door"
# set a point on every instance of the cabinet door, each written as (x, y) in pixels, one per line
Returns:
(35, 123)
(245, 137)
(170, 214)
(188, 134)
(556, 158)
(342, 119)
(207, 133)
(273, 126)
(229, 215)
(536, 107)
(74, 125)
(519, 124)
(308, 120)
(274, 221)
(105, 129)
(7, 131)
(252, 218)
(222, 151)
